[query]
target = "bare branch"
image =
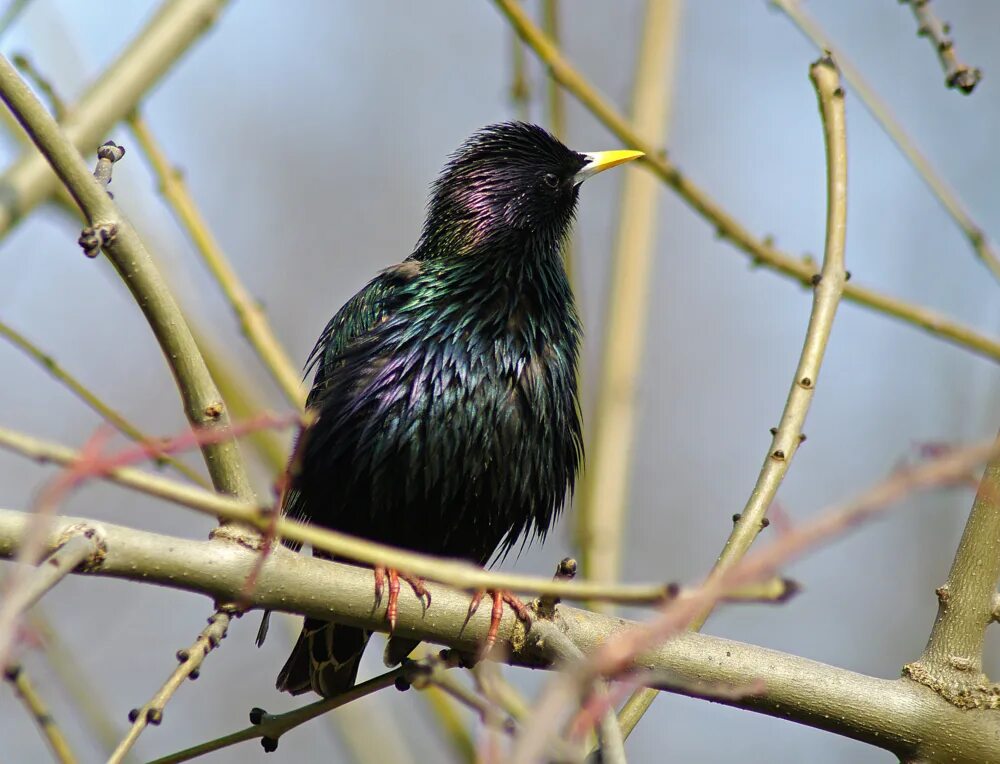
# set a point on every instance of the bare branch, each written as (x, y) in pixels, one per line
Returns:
(270, 727)
(828, 287)
(190, 663)
(956, 74)
(761, 251)
(81, 688)
(41, 83)
(952, 662)
(91, 399)
(202, 402)
(175, 26)
(25, 588)
(622, 652)
(252, 319)
(950, 469)
(54, 736)
(520, 87)
(946, 195)
(603, 498)
(455, 573)
(897, 715)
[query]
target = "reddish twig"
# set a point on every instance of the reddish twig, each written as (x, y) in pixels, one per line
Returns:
(281, 488)
(950, 469)
(94, 463)
(617, 656)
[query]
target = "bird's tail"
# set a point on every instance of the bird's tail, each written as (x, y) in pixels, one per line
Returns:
(325, 659)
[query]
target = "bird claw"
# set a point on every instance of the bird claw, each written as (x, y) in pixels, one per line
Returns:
(499, 596)
(394, 576)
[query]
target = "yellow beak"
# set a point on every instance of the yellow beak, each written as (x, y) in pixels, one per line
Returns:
(599, 161)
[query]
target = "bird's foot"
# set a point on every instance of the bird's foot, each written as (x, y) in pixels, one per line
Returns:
(499, 596)
(394, 576)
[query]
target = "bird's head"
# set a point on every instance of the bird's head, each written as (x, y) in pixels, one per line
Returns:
(509, 181)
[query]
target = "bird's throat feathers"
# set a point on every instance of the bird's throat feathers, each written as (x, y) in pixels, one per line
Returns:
(470, 229)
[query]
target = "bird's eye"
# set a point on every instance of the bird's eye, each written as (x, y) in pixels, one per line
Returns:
(550, 180)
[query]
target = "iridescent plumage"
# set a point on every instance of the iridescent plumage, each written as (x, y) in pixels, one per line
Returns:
(445, 390)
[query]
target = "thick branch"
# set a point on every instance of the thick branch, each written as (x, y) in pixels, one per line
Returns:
(898, 715)
(203, 404)
(952, 663)
(341, 545)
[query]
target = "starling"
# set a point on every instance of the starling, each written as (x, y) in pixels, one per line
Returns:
(445, 402)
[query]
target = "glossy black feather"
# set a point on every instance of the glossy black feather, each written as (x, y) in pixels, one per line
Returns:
(445, 393)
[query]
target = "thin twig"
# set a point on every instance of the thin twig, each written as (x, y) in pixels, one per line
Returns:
(91, 399)
(556, 113)
(620, 654)
(452, 724)
(41, 82)
(244, 401)
(680, 613)
(270, 727)
(945, 194)
(458, 574)
(603, 503)
(252, 319)
(828, 288)
(541, 731)
(609, 731)
(520, 87)
(91, 462)
(26, 587)
(190, 664)
(956, 74)
(172, 29)
(761, 251)
(554, 95)
(431, 671)
(897, 715)
(81, 688)
(11, 12)
(53, 735)
(362, 729)
(492, 685)
(112, 232)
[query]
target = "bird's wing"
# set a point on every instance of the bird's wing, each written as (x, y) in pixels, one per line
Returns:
(352, 323)
(359, 315)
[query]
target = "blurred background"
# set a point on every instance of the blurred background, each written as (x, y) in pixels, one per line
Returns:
(309, 132)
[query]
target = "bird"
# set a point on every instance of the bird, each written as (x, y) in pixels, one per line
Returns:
(444, 409)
